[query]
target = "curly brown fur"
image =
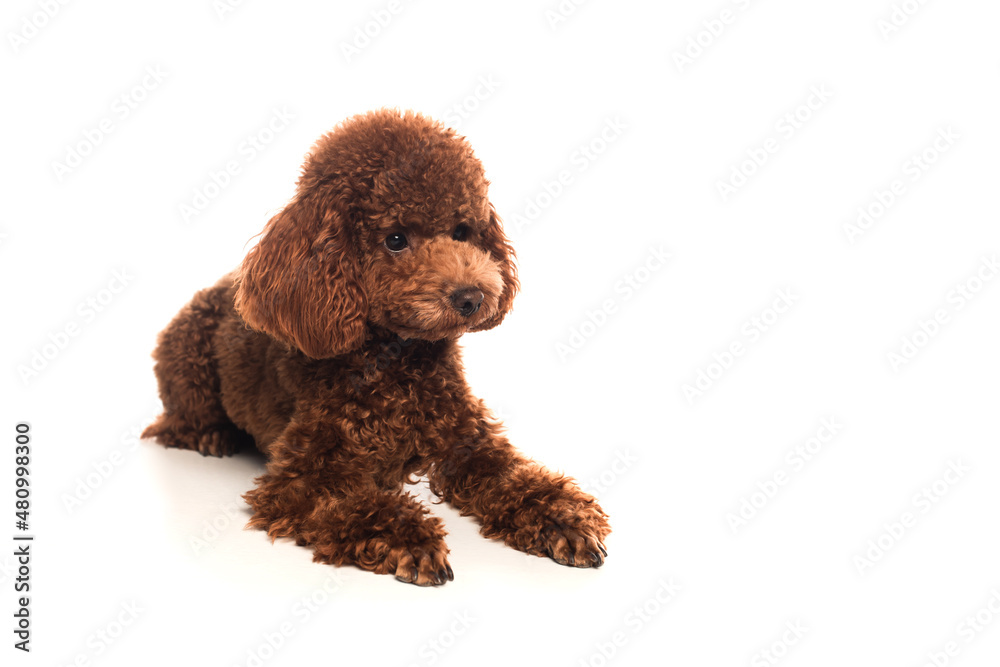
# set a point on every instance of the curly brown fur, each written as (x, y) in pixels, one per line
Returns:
(334, 352)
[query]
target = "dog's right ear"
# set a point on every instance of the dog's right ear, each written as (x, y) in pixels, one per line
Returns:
(300, 283)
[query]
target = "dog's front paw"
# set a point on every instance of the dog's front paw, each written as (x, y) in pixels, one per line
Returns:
(575, 546)
(420, 566)
(557, 520)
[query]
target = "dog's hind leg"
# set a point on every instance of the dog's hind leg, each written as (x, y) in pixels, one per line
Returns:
(187, 373)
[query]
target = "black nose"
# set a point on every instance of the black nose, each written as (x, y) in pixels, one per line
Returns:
(466, 300)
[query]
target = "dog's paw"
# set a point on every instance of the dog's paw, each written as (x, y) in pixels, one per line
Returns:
(423, 567)
(572, 546)
(570, 530)
(223, 440)
(569, 527)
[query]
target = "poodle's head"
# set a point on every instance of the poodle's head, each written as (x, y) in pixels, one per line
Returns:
(390, 225)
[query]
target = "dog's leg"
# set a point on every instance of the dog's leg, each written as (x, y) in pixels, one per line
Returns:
(348, 519)
(517, 500)
(193, 416)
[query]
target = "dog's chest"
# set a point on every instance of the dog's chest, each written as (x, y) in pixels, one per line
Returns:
(399, 397)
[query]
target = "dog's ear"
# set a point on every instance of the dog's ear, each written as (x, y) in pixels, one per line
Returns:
(503, 254)
(300, 283)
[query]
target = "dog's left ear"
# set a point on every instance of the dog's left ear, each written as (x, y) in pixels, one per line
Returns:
(300, 283)
(503, 254)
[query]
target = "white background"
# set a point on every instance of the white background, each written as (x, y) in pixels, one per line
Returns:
(670, 471)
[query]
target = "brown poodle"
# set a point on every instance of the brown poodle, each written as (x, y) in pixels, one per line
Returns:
(333, 350)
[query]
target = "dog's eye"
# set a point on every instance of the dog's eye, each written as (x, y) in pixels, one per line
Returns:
(395, 242)
(461, 233)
